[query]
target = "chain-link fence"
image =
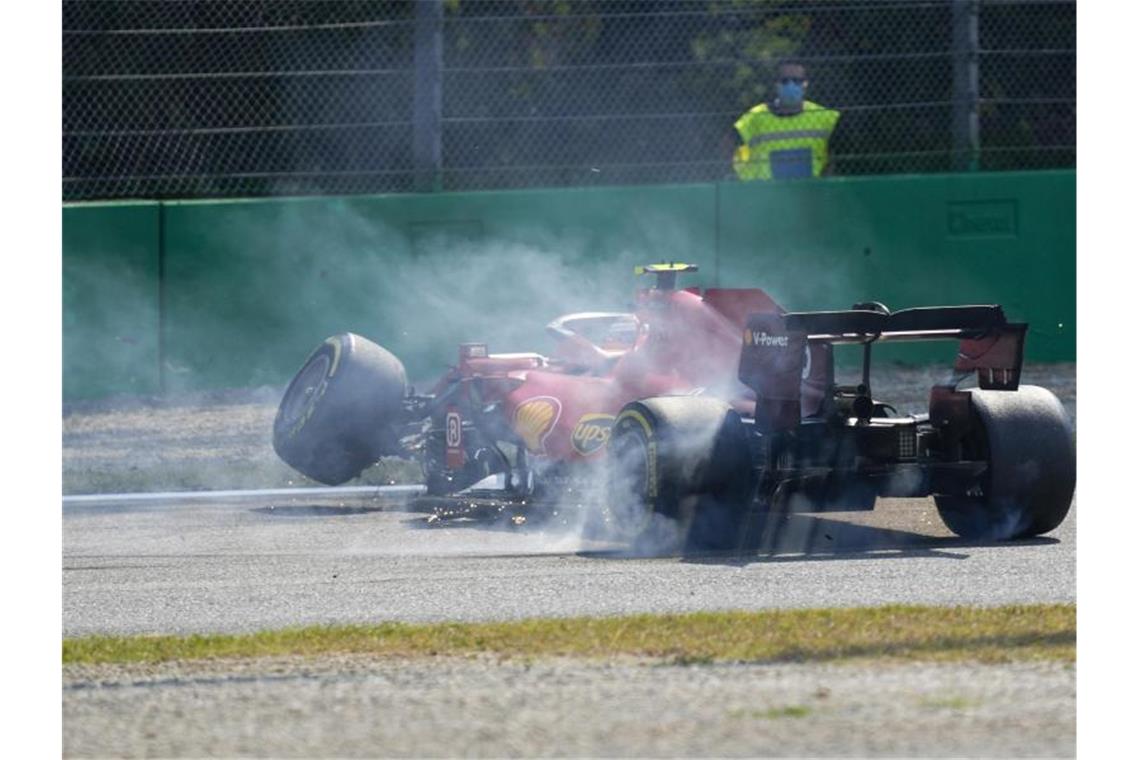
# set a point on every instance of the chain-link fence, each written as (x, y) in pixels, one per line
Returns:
(207, 98)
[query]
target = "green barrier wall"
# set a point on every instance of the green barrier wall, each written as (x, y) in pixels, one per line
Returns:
(249, 287)
(111, 299)
(914, 241)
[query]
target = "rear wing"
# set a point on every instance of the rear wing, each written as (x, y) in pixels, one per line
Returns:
(988, 344)
(776, 357)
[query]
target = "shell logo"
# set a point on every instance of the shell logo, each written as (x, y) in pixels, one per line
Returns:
(748, 337)
(535, 418)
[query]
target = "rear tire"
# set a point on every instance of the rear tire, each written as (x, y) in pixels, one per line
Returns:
(1027, 440)
(341, 411)
(679, 475)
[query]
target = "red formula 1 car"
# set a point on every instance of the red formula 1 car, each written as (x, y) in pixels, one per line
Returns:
(538, 421)
(706, 409)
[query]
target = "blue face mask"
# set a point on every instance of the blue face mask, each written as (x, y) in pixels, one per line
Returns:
(790, 93)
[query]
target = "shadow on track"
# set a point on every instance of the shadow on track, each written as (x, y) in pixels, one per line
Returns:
(319, 510)
(773, 537)
(812, 538)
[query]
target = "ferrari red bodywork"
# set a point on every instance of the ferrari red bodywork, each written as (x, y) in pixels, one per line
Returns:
(560, 408)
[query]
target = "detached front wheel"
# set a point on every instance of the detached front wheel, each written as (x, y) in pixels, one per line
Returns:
(1027, 441)
(679, 474)
(341, 412)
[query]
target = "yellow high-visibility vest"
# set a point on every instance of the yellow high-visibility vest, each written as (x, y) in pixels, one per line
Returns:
(776, 146)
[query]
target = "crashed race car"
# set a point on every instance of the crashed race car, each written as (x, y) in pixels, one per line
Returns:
(701, 410)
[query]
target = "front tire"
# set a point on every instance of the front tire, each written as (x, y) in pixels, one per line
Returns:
(679, 474)
(340, 413)
(1027, 440)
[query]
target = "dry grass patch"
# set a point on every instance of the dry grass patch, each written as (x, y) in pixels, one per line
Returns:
(985, 634)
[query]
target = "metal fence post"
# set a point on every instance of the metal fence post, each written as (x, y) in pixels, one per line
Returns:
(966, 136)
(427, 137)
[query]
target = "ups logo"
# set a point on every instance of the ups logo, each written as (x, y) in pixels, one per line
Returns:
(591, 433)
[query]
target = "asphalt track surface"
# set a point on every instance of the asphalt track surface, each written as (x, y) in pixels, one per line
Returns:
(229, 564)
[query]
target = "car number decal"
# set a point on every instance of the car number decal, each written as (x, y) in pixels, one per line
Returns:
(453, 434)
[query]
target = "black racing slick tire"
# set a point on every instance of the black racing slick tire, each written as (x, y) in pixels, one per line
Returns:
(1027, 440)
(341, 412)
(679, 475)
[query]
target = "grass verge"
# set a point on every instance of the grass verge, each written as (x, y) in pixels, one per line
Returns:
(986, 634)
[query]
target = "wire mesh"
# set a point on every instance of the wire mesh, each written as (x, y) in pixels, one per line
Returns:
(210, 98)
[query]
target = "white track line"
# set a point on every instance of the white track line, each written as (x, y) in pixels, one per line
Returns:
(253, 493)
